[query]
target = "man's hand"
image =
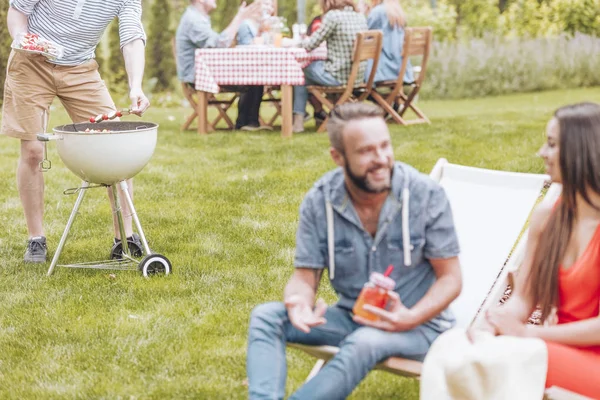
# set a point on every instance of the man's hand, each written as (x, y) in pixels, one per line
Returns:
(397, 319)
(139, 101)
(302, 316)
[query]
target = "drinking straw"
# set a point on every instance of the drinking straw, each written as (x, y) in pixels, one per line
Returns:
(389, 270)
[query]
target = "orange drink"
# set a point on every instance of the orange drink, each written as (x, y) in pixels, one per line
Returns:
(374, 293)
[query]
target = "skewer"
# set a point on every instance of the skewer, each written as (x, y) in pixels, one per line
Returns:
(112, 115)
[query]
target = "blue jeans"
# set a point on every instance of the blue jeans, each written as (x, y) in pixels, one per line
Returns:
(361, 348)
(314, 74)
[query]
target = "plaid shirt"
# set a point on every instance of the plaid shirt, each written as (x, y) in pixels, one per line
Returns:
(339, 28)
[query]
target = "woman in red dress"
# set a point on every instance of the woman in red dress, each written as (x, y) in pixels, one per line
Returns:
(561, 269)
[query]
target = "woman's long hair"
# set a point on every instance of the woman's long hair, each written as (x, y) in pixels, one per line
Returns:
(394, 12)
(579, 164)
(328, 5)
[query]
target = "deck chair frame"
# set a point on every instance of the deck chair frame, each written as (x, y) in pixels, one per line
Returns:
(417, 42)
(366, 47)
(411, 368)
(222, 104)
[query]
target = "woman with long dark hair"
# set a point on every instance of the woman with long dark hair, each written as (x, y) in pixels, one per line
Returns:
(561, 270)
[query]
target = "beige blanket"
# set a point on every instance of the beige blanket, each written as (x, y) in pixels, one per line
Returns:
(491, 368)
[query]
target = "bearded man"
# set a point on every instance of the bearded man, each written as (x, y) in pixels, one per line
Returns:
(369, 213)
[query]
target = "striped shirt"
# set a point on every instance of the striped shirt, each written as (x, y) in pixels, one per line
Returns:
(78, 25)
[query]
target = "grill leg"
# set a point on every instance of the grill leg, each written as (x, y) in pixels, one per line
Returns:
(119, 211)
(138, 225)
(63, 239)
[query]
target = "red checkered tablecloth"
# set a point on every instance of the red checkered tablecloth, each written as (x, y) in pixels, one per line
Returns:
(253, 65)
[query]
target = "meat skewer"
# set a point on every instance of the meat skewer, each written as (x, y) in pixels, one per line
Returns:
(110, 115)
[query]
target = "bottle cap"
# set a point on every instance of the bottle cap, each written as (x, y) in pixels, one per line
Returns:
(382, 281)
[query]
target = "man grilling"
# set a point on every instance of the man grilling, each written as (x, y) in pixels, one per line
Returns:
(33, 81)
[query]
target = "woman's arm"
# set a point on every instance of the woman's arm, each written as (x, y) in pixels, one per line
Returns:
(581, 333)
(511, 317)
(325, 30)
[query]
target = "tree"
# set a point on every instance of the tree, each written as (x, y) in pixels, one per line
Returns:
(5, 41)
(477, 17)
(160, 65)
(117, 76)
(579, 16)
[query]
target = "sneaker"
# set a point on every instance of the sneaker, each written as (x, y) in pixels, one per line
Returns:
(253, 128)
(36, 250)
(135, 247)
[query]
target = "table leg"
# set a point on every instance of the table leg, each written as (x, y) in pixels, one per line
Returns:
(202, 111)
(286, 110)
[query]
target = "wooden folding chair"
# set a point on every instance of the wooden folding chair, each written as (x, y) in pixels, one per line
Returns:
(222, 103)
(366, 47)
(417, 42)
(490, 210)
(270, 98)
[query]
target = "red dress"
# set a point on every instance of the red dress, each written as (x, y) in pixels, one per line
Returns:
(578, 368)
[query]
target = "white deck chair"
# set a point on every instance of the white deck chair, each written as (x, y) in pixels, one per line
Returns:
(490, 211)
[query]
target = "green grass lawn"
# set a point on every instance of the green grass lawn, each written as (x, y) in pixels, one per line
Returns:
(224, 209)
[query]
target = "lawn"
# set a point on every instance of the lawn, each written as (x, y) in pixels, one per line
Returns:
(224, 209)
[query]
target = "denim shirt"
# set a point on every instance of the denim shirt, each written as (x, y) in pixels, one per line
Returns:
(194, 32)
(390, 60)
(246, 32)
(357, 253)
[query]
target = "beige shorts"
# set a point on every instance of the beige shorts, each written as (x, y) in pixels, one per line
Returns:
(31, 85)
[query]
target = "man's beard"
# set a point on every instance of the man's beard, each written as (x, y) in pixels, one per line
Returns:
(362, 182)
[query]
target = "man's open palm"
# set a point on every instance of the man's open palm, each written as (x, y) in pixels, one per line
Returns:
(303, 316)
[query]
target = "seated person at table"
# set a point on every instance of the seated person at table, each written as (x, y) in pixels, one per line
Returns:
(314, 25)
(195, 31)
(339, 26)
(360, 201)
(251, 28)
(319, 114)
(388, 17)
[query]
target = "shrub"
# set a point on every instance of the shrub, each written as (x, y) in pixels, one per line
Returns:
(117, 76)
(530, 18)
(442, 19)
(477, 17)
(495, 65)
(159, 54)
(579, 16)
(5, 41)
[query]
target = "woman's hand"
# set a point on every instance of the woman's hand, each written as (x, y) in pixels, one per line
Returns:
(483, 326)
(506, 324)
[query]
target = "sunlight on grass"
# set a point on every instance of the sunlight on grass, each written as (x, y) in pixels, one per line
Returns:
(224, 209)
